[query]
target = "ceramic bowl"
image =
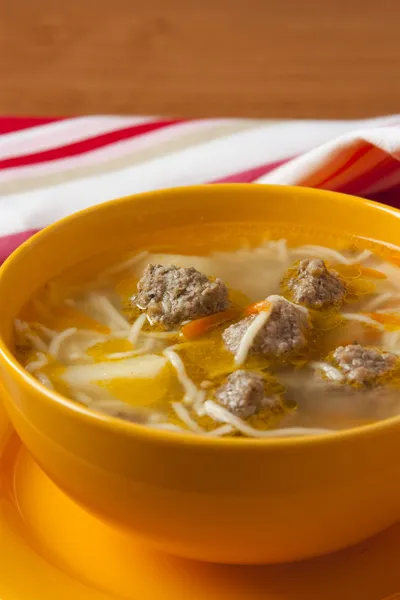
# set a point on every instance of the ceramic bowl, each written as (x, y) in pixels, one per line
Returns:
(219, 500)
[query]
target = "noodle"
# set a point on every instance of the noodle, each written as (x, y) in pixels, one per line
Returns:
(250, 335)
(36, 342)
(330, 371)
(378, 301)
(321, 252)
(135, 330)
(183, 414)
(329, 253)
(191, 391)
(391, 339)
(223, 415)
(362, 257)
(20, 326)
(168, 427)
(276, 298)
(37, 364)
(220, 431)
(363, 319)
(116, 408)
(124, 266)
(119, 355)
(55, 344)
(49, 333)
(109, 311)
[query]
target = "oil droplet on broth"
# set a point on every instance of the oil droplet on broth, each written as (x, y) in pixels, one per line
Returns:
(144, 392)
(100, 352)
(206, 358)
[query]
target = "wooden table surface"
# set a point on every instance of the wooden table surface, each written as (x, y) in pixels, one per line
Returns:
(257, 58)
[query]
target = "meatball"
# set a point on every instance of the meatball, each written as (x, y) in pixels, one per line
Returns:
(243, 394)
(284, 330)
(315, 285)
(171, 295)
(363, 365)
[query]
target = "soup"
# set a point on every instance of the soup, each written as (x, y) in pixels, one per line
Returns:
(276, 338)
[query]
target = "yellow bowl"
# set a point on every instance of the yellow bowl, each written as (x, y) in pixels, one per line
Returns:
(229, 500)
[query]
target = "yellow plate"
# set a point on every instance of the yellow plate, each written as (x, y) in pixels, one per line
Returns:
(52, 549)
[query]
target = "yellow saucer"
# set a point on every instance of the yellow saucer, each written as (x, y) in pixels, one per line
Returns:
(52, 549)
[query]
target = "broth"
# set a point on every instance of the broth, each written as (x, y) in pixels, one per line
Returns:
(215, 374)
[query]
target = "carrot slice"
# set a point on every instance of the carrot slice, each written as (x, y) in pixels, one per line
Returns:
(257, 307)
(199, 327)
(372, 273)
(390, 320)
(347, 271)
(357, 270)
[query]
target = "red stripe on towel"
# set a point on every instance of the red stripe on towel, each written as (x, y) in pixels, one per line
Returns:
(87, 145)
(11, 124)
(387, 166)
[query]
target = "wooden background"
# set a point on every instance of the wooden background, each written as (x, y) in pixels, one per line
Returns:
(259, 58)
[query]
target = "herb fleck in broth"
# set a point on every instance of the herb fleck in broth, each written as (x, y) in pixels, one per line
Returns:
(260, 361)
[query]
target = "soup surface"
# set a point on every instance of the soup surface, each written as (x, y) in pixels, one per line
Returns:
(226, 332)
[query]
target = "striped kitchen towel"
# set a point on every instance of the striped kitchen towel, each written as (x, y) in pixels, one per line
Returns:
(50, 168)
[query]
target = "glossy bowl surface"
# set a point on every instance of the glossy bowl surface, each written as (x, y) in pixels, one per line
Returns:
(233, 501)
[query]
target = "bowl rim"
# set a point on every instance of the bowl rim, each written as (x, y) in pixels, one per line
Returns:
(154, 435)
